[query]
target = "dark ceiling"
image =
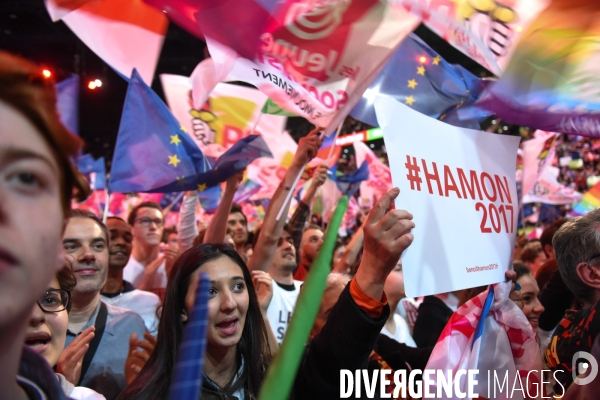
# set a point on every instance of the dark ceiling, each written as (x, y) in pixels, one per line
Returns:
(26, 29)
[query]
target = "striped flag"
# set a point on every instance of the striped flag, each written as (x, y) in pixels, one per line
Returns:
(589, 202)
(186, 382)
(491, 334)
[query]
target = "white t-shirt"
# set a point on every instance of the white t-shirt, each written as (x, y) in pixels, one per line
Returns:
(140, 301)
(402, 334)
(281, 308)
(134, 272)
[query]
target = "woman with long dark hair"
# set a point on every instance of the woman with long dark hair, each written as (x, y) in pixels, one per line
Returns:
(237, 352)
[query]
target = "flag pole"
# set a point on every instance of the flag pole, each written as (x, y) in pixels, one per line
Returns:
(291, 193)
(282, 372)
(256, 123)
(167, 209)
(107, 204)
(337, 133)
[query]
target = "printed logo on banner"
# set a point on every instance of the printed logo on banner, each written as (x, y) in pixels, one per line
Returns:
(297, 47)
(315, 23)
(459, 185)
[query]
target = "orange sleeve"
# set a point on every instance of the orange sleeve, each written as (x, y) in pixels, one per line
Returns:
(372, 307)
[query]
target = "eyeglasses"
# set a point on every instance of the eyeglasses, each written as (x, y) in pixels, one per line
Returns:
(148, 221)
(55, 300)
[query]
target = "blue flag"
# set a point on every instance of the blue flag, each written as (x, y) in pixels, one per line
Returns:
(153, 152)
(235, 159)
(186, 382)
(417, 76)
(247, 189)
(209, 198)
(67, 102)
(350, 182)
(88, 165)
(169, 198)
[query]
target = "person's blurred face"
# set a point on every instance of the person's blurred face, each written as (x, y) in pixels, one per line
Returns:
(121, 241)
(394, 284)
(537, 263)
(311, 242)
(172, 241)
(338, 254)
(31, 216)
(228, 302)
(285, 254)
(47, 331)
(330, 297)
(532, 308)
(238, 226)
(148, 226)
(86, 248)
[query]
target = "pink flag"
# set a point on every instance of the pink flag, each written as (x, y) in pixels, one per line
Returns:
(538, 153)
(380, 178)
(126, 34)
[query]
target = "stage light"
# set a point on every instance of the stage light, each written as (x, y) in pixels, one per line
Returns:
(47, 74)
(422, 59)
(92, 85)
(98, 82)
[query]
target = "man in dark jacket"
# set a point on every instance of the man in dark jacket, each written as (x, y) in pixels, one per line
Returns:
(577, 248)
(353, 325)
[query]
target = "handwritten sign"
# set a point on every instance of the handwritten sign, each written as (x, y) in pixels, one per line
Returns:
(459, 184)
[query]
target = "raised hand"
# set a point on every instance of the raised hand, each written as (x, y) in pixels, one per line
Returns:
(308, 146)
(136, 358)
(71, 359)
(320, 175)
(387, 233)
(263, 284)
(234, 182)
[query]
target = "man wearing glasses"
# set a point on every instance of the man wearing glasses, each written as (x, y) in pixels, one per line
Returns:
(85, 242)
(146, 268)
(577, 248)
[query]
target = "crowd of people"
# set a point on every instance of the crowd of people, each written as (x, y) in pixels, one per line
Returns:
(92, 309)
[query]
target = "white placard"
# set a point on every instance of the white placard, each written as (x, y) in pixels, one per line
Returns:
(466, 214)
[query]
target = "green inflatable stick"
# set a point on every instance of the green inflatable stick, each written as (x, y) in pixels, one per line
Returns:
(282, 372)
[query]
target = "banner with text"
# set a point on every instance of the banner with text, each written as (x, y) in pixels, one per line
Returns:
(459, 184)
(485, 31)
(228, 115)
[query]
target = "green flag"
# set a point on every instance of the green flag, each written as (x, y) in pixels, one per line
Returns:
(271, 107)
(283, 369)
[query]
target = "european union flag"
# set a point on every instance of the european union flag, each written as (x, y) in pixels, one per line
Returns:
(209, 198)
(153, 152)
(67, 102)
(234, 160)
(247, 189)
(417, 76)
(169, 198)
(349, 183)
(88, 165)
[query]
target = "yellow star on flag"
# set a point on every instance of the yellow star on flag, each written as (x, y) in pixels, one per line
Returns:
(181, 181)
(412, 84)
(175, 139)
(436, 60)
(421, 70)
(173, 160)
(202, 187)
(410, 100)
(182, 128)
